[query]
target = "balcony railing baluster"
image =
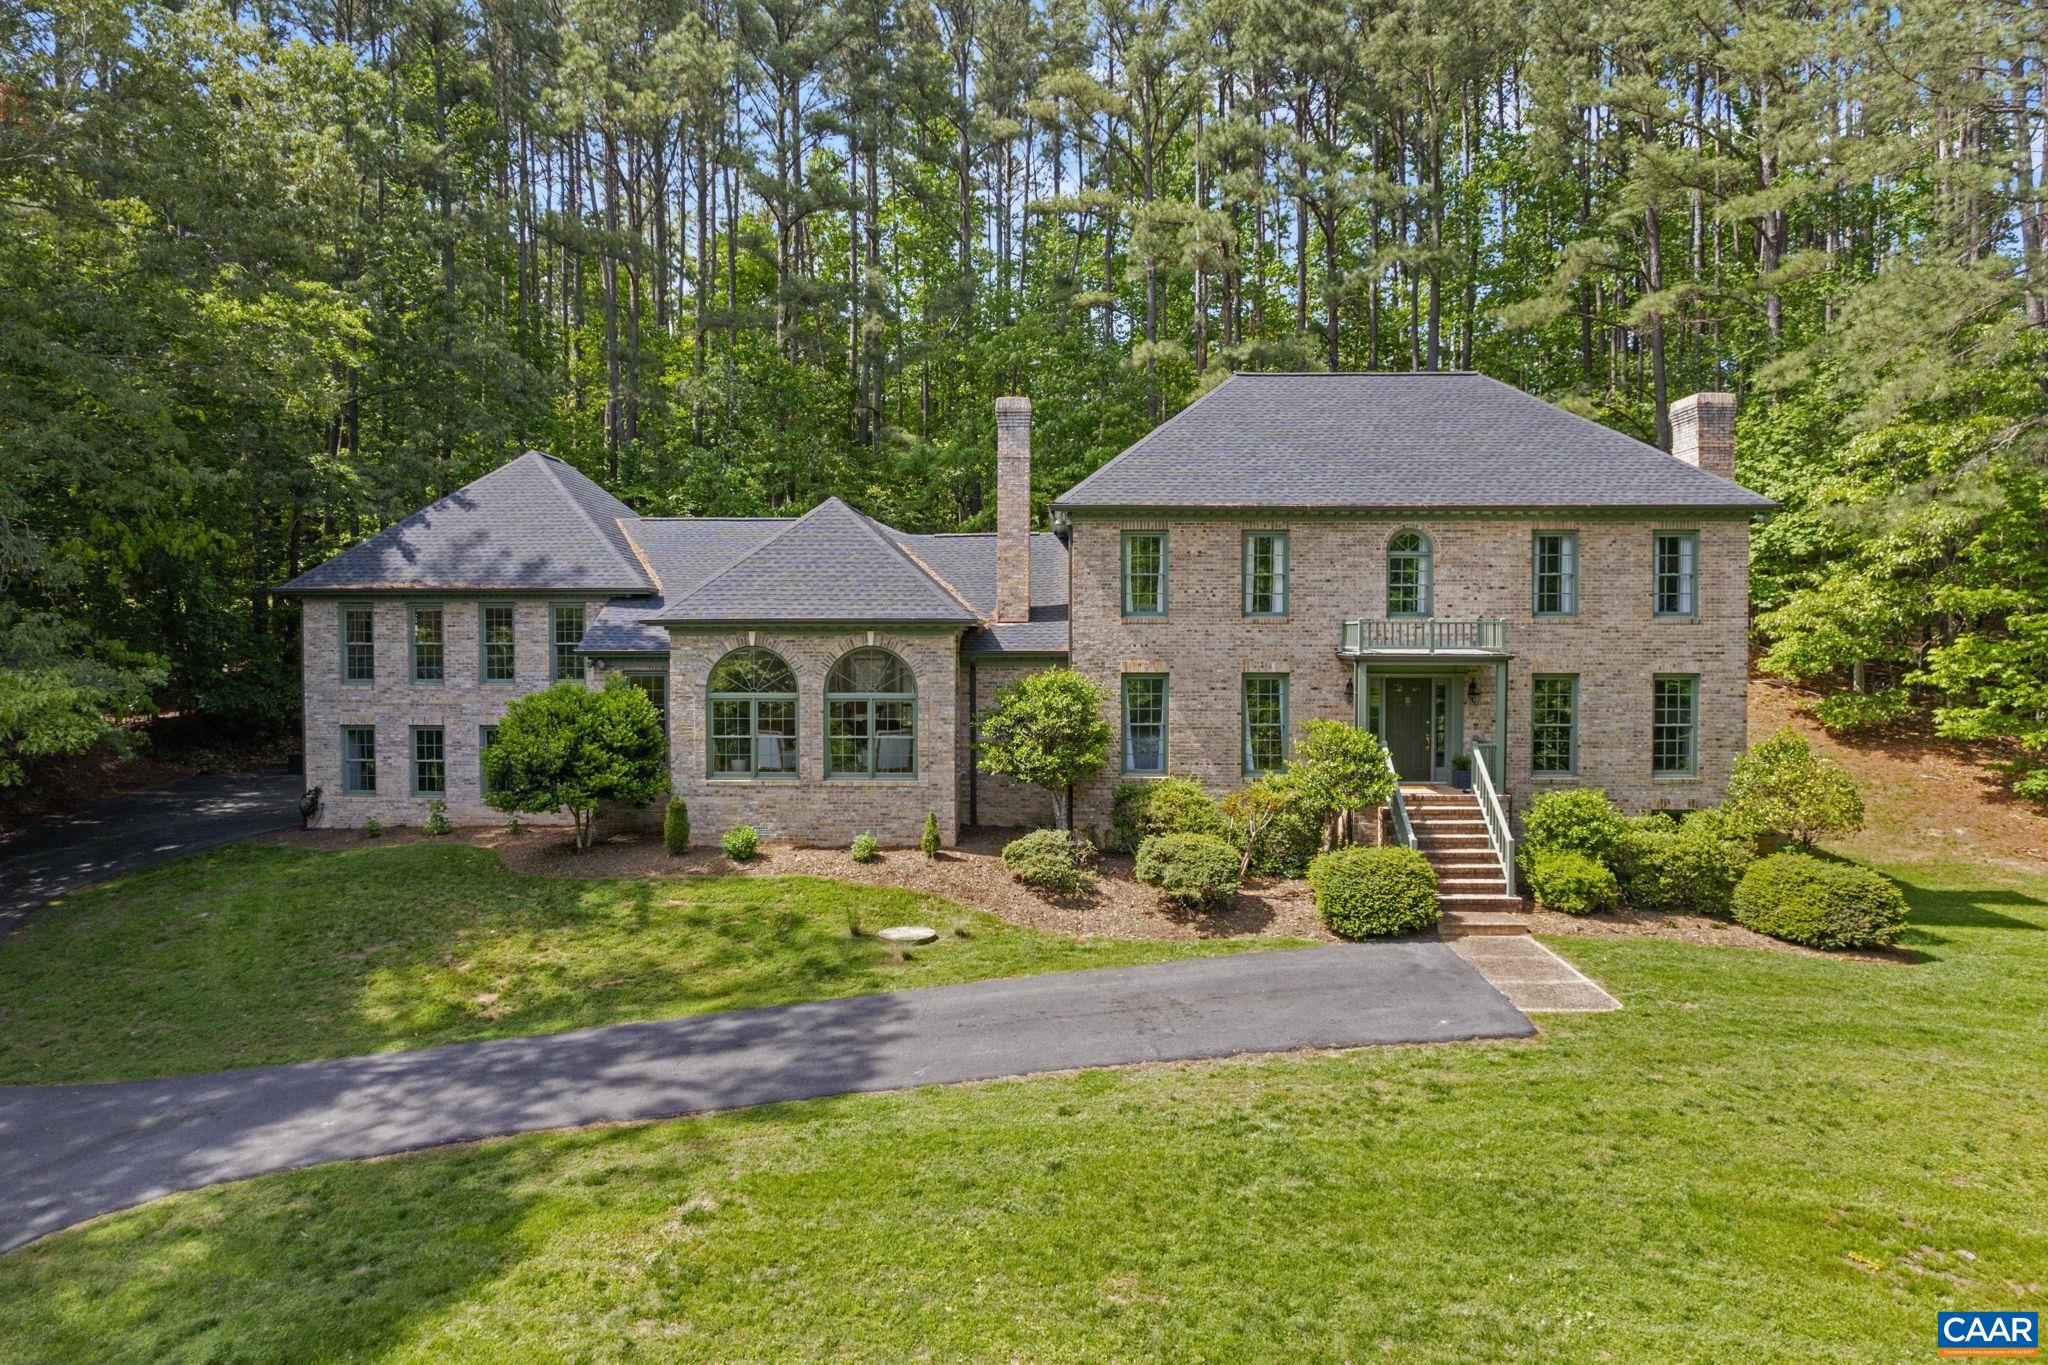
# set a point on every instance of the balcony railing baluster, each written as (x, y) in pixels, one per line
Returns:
(1364, 635)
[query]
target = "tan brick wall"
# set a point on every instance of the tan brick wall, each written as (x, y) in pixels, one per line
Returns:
(811, 809)
(999, 802)
(1481, 570)
(461, 704)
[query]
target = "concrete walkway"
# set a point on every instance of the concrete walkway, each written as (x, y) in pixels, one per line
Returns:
(1531, 976)
(126, 833)
(68, 1153)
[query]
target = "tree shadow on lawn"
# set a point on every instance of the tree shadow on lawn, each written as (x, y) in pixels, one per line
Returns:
(1943, 907)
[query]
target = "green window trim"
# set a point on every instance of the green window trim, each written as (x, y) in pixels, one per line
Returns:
(1554, 725)
(486, 736)
(1143, 567)
(357, 647)
(1675, 725)
(1265, 574)
(1411, 575)
(358, 760)
(1262, 718)
(429, 746)
(750, 695)
(1152, 692)
(1675, 575)
(879, 724)
(1554, 573)
(497, 650)
(429, 652)
(565, 633)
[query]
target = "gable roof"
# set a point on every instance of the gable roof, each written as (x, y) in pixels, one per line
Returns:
(534, 523)
(681, 552)
(1449, 440)
(830, 565)
(967, 561)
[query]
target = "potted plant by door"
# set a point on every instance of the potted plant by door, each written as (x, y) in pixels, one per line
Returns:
(1461, 772)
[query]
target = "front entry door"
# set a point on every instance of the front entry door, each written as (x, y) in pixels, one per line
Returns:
(1407, 726)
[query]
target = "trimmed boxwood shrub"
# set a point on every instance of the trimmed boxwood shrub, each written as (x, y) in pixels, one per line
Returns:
(739, 842)
(1362, 892)
(675, 828)
(1571, 882)
(1189, 869)
(1162, 805)
(1803, 899)
(1579, 821)
(1051, 860)
(865, 848)
(1688, 869)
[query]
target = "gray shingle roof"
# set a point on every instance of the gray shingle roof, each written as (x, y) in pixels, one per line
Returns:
(968, 562)
(682, 552)
(831, 564)
(533, 523)
(1395, 441)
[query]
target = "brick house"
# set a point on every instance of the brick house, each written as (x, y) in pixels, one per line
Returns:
(1453, 563)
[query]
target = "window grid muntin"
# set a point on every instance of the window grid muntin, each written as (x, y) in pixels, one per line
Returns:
(429, 760)
(870, 701)
(1674, 724)
(359, 760)
(1677, 573)
(358, 646)
(565, 633)
(1144, 573)
(1265, 573)
(496, 633)
(1144, 716)
(739, 719)
(1554, 724)
(1264, 719)
(1555, 574)
(1409, 571)
(429, 644)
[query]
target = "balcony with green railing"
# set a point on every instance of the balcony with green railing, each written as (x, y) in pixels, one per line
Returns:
(1423, 637)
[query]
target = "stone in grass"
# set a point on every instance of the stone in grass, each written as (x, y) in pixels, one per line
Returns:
(909, 933)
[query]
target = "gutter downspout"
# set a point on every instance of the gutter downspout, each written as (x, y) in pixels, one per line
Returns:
(973, 768)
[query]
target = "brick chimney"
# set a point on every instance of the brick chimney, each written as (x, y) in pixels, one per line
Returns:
(1703, 432)
(1013, 509)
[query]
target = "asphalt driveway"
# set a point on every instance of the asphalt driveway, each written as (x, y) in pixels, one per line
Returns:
(126, 833)
(68, 1153)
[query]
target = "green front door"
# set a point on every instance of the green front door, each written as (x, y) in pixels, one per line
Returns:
(1405, 724)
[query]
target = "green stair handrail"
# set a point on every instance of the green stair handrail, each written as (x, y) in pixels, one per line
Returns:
(1498, 835)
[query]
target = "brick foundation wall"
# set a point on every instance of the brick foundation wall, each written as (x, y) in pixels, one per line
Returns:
(1481, 569)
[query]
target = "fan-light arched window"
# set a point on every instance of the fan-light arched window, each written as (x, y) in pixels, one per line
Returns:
(753, 715)
(1408, 574)
(870, 716)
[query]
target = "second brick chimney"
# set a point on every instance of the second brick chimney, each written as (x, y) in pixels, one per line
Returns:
(1013, 509)
(1703, 432)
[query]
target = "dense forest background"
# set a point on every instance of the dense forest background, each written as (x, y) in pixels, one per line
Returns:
(274, 274)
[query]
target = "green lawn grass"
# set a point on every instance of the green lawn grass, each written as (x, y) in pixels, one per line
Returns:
(1764, 1156)
(250, 955)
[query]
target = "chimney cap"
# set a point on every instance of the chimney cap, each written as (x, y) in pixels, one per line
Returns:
(1013, 403)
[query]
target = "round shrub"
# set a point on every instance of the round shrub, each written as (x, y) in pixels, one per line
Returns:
(1162, 805)
(1571, 882)
(1578, 821)
(1051, 860)
(865, 849)
(1690, 869)
(1189, 869)
(739, 842)
(1803, 899)
(1362, 892)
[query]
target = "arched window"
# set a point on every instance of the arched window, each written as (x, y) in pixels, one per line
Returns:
(870, 716)
(753, 715)
(1408, 577)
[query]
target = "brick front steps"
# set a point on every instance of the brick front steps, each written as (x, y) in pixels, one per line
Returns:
(1451, 832)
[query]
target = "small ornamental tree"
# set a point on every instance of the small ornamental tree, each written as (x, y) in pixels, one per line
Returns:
(1782, 784)
(1046, 729)
(1338, 769)
(570, 748)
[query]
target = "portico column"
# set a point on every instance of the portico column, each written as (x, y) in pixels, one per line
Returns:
(1500, 725)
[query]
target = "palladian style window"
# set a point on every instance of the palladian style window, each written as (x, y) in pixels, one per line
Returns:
(1408, 574)
(870, 716)
(753, 715)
